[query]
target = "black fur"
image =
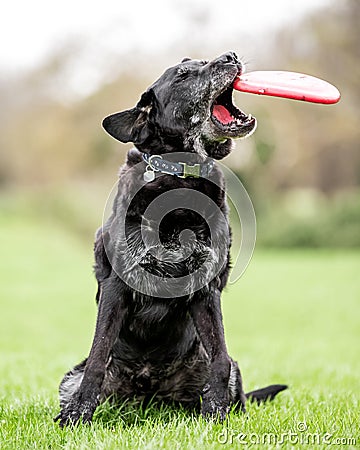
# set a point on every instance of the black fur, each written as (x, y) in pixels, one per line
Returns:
(146, 343)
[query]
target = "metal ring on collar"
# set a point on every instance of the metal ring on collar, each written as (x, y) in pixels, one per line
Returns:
(151, 164)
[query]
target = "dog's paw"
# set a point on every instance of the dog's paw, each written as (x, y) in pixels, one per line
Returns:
(213, 411)
(77, 411)
(214, 407)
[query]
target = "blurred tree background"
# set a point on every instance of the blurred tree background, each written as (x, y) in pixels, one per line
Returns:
(301, 167)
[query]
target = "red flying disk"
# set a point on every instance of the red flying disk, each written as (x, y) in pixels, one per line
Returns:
(296, 86)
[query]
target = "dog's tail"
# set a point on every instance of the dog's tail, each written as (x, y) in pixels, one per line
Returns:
(265, 394)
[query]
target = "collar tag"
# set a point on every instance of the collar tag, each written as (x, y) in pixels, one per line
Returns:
(149, 175)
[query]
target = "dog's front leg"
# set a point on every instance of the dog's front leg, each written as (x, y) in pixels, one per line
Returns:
(207, 317)
(111, 311)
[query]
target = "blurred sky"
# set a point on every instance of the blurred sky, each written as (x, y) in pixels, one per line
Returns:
(31, 30)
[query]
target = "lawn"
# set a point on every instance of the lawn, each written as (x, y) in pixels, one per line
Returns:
(294, 318)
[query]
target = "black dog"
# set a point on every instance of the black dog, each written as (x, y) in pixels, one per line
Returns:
(160, 273)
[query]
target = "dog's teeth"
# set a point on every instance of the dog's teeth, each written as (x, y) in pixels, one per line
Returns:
(249, 117)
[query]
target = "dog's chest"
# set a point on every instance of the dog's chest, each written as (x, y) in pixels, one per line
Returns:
(171, 247)
(174, 239)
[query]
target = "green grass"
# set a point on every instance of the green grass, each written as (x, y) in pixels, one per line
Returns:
(294, 317)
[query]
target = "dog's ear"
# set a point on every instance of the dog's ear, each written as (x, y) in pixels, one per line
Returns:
(121, 125)
(131, 125)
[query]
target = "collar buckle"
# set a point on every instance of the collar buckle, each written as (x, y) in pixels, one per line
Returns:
(190, 171)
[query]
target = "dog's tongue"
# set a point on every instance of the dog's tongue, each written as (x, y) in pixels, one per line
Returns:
(222, 114)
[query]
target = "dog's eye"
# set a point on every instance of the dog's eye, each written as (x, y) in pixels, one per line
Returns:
(183, 71)
(204, 62)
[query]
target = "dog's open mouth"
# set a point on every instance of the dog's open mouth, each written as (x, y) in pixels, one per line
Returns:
(230, 120)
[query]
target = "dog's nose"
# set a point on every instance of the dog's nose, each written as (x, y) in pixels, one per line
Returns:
(229, 58)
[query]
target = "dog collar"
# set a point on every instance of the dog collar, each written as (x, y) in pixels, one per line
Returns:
(156, 163)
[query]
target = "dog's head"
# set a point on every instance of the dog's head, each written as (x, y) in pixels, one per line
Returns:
(189, 108)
